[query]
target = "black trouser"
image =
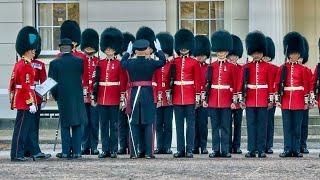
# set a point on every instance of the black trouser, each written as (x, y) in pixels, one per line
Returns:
(33, 136)
(270, 127)
(143, 139)
(71, 141)
(256, 128)
(164, 127)
(292, 129)
(236, 119)
(90, 135)
(201, 128)
(123, 127)
(109, 127)
(22, 127)
(220, 125)
(304, 128)
(188, 112)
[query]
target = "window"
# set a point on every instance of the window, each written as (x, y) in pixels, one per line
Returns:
(201, 16)
(50, 14)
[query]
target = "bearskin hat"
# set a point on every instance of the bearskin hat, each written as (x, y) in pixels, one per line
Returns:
(293, 42)
(256, 42)
(183, 39)
(237, 47)
(147, 34)
(112, 38)
(90, 38)
(27, 39)
(127, 38)
(270, 48)
(70, 29)
(221, 41)
(305, 55)
(166, 41)
(201, 46)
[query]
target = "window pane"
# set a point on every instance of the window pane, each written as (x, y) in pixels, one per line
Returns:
(56, 38)
(217, 10)
(217, 25)
(187, 10)
(73, 11)
(187, 24)
(202, 27)
(45, 15)
(46, 37)
(59, 13)
(202, 10)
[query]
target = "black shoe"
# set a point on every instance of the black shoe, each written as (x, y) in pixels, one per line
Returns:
(196, 151)
(168, 151)
(285, 154)
(141, 155)
(95, 152)
(27, 154)
(150, 157)
(226, 155)
(85, 152)
(189, 155)
(204, 151)
(214, 155)
(158, 151)
(269, 151)
(297, 154)
(61, 155)
(76, 156)
(42, 156)
(20, 159)
(113, 155)
(236, 151)
(250, 155)
(304, 151)
(122, 151)
(179, 154)
(262, 155)
(133, 157)
(104, 154)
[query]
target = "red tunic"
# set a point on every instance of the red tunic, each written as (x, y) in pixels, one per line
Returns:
(187, 81)
(21, 86)
(40, 76)
(87, 78)
(162, 75)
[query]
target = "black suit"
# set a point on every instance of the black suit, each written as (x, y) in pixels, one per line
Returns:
(67, 70)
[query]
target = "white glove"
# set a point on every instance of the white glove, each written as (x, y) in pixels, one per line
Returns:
(43, 104)
(33, 109)
(130, 47)
(157, 45)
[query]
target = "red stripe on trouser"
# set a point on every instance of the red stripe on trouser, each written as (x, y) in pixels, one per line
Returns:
(17, 145)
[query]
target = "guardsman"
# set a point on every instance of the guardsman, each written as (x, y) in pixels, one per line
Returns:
(39, 77)
(141, 105)
(70, 29)
(163, 97)
(202, 54)
(305, 120)
(90, 136)
(148, 34)
(22, 94)
(257, 93)
(236, 114)
(109, 74)
(292, 88)
(271, 110)
(186, 91)
(222, 97)
(123, 126)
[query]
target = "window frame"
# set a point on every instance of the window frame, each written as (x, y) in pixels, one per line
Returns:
(195, 19)
(37, 2)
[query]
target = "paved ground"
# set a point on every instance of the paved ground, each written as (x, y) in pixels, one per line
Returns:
(163, 167)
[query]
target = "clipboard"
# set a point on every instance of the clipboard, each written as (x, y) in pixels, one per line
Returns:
(45, 87)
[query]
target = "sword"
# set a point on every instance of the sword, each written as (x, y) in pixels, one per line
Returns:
(56, 138)
(130, 119)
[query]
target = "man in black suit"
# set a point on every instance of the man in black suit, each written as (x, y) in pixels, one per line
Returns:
(67, 71)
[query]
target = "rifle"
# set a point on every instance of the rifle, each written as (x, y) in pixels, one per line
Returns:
(209, 80)
(245, 80)
(96, 81)
(172, 77)
(283, 78)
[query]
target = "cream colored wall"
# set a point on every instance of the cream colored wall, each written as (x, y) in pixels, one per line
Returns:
(306, 20)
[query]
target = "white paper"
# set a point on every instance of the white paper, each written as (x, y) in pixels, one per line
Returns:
(45, 86)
